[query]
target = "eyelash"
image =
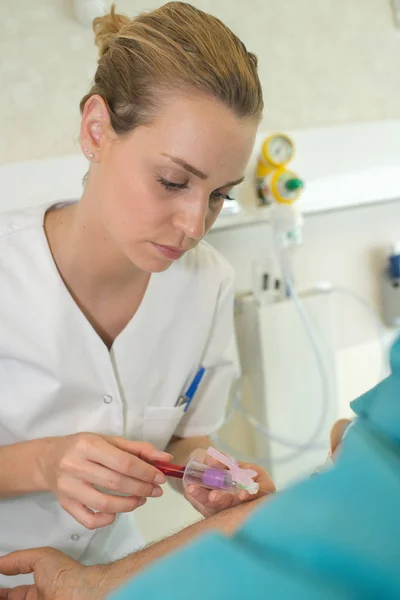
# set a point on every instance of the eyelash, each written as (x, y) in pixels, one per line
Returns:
(171, 186)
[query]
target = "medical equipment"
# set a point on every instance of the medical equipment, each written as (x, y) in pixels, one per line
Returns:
(390, 288)
(275, 182)
(394, 263)
(233, 480)
(279, 188)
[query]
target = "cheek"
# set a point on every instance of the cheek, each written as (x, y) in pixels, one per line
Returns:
(132, 208)
(211, 216)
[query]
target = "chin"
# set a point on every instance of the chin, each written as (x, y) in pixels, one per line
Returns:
(151, 265)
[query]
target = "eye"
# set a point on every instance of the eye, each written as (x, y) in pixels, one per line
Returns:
(171, 185)
(220, 196)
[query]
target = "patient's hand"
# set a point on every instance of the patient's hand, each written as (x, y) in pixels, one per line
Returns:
(57, 577)
(210, 503)
(337, 432)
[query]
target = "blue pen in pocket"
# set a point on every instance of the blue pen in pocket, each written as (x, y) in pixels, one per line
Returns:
(188, 396)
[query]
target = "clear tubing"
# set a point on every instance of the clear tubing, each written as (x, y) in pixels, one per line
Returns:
(314, 441)
(237, 405)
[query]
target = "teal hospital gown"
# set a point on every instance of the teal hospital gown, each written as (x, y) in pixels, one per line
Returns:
(336, 535)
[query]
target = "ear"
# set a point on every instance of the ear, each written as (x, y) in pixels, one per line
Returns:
(96, 129)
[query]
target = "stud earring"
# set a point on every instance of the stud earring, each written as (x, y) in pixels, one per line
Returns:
(90, 155)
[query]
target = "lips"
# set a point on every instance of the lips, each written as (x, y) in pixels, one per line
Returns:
(169, 252)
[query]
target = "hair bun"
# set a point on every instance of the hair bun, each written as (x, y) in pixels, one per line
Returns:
(106, 28)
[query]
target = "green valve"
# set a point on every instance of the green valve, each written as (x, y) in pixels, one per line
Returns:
(293, 184)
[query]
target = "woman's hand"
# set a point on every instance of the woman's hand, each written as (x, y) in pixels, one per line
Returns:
(211, 502)
(75, 465)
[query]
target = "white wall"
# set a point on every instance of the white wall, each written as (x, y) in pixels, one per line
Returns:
(347, 247)
(321, 61)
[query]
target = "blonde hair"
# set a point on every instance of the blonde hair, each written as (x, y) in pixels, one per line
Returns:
(175, 47)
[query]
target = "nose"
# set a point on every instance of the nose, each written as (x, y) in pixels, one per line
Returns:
(191, 220)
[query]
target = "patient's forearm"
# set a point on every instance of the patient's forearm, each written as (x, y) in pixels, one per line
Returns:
(226, 521)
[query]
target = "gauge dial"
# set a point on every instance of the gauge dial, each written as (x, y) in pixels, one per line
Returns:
(278, 149)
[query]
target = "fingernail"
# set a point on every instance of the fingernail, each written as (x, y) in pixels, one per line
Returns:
(159, 478)
(142, 501)
(156, 493)
(166, 455)
(213, 497)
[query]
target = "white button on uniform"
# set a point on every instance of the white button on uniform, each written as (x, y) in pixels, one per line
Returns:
(75, 537)
(107, 399)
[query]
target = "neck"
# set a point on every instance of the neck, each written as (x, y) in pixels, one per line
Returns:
(86, 257)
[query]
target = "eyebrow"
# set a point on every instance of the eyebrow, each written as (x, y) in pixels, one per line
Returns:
(197, 172)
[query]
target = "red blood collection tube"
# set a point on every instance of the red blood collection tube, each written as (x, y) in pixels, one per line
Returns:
(170, 470)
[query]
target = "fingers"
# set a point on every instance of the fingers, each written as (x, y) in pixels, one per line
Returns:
(198, 499)
(85, 516)
(113, 481)
(203, 510)
(266, 485)
(21, 562)
(22, 592)
(105, 453)
(210, 502)
(87, 495)
(262, 478)
(244, 496)
(18, 563)
(142, 450)
(200, 494)
(222, 500)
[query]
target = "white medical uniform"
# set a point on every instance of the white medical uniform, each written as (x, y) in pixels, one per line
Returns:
(57, 377)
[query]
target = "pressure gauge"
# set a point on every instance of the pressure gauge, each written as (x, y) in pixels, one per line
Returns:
(278, 149)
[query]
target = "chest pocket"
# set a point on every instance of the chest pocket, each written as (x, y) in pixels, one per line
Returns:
(160, 424)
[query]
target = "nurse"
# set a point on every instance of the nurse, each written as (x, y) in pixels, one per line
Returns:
(109, 305)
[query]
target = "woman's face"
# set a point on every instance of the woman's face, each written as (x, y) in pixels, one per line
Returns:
(159, 189)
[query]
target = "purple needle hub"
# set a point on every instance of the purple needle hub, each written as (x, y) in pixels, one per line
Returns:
(215, 478)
